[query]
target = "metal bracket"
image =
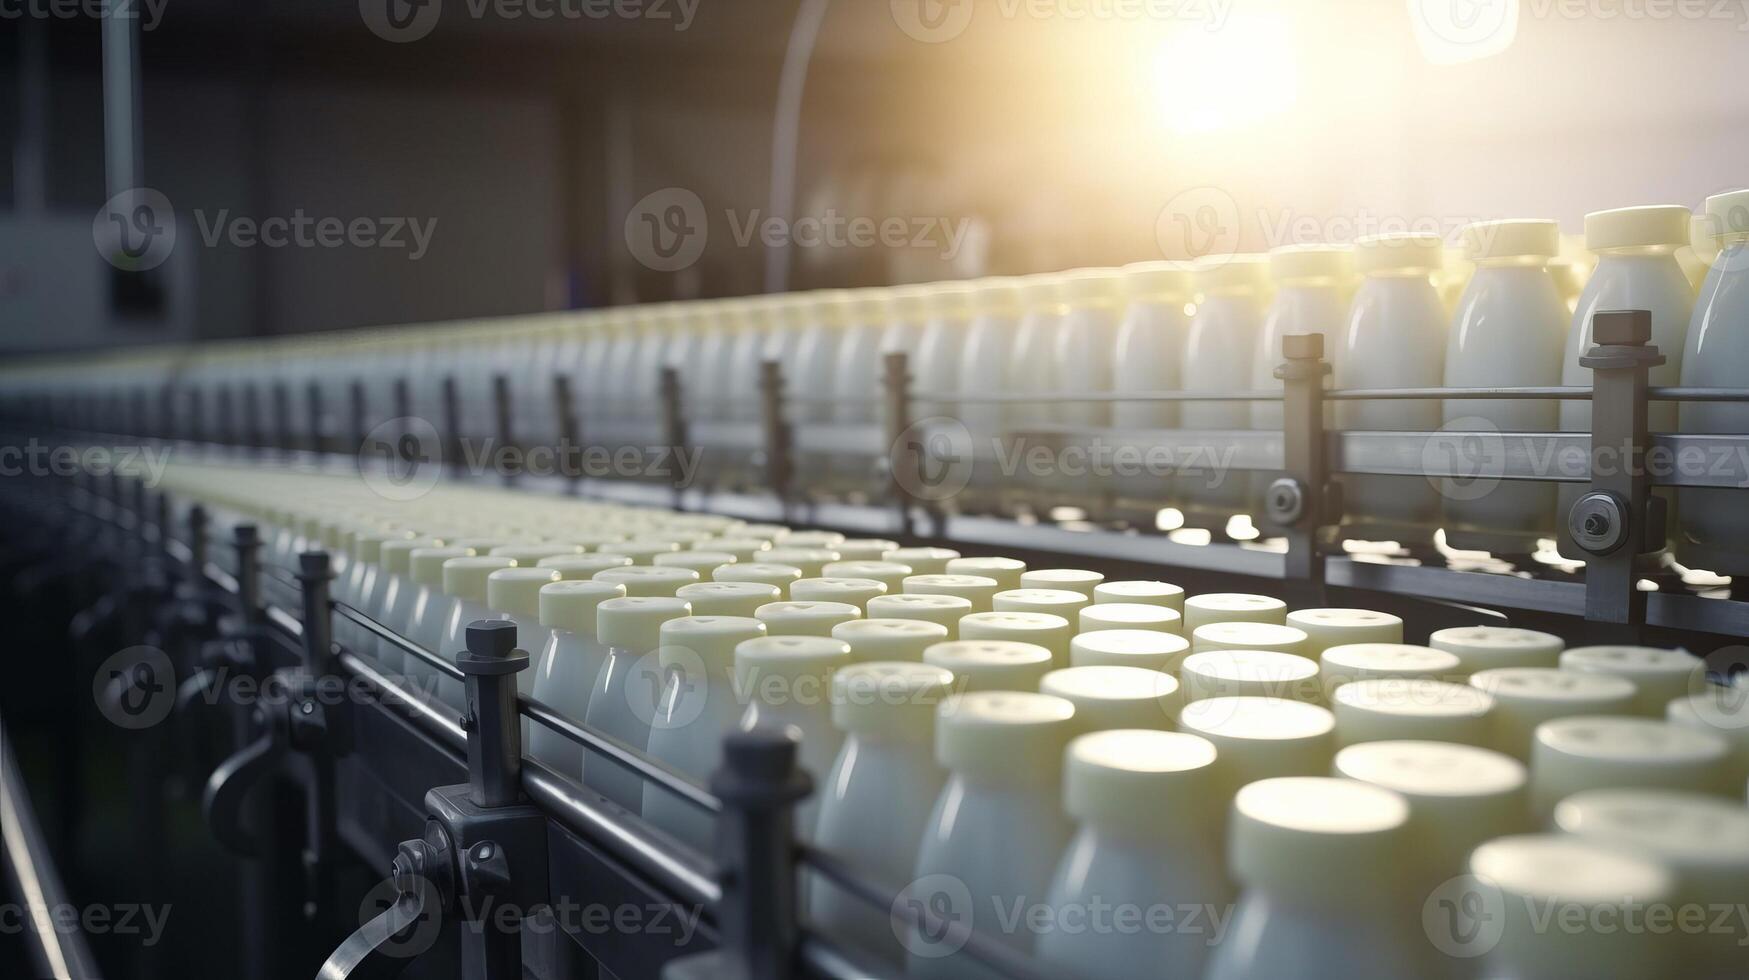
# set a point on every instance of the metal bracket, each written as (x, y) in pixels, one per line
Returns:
(1300, 502)
(779, 434)
(1620, 519)
(673, 426)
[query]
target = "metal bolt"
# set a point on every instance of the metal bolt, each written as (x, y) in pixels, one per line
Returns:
(1285, 501)
(1598, 522)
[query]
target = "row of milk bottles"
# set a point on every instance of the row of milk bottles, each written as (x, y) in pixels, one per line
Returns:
(1030, 775)
(1416, 317)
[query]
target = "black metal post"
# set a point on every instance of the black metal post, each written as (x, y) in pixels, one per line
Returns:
(282, 423)
(1618, 519)
(673, 427)
(197, 539)
(317, 417)
(904, 453)
(501, 413)
(316, 578)
(251, 418)
(779, 444)
(452, 423)
(565, 413)
(247, 540)
(759, 785)
(494, 727)
(1298, 502)
(360, 416)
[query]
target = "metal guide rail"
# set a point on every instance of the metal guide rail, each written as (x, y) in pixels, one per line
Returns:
(467, 825)
(898, 458)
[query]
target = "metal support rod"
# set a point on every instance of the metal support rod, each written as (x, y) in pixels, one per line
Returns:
(124, 167)
(760, 785)
(251, 417)
(501, 413)
(494, 727)
(360, 415)
(673, 426)
(224, 429)
(565, 414)
(779, 436)
(247, 541)
(1298, 501)
(905, 451)
(282, 423)
(318, 646)
(316, 413)
(452, 422)
(1618, 520)
(196, 416)
(167, 412)
(197, 538)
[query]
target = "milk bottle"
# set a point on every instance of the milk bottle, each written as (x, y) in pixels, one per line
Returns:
(1395, 337)
(1310, 297)
(1714, 522)
(1636, 270)
(1218, 356)
(1508, 330)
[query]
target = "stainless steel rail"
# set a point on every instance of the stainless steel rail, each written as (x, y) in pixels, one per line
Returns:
(56, 944)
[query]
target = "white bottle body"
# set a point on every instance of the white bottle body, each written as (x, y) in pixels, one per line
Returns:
(1394, 337)
(1137, 872)
(1001, 840)
(1086, 346)
(687, 736)
(563, 676)
(875, 805)
(1714, 522)
(1509, 330)
(1149, 354)
(622, 701)
(1299, 309)
(1648, 280)
(1271, 938)
(1218, 355)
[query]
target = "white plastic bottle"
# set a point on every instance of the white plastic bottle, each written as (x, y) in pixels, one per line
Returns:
(941, 341)
(876, 801)
(858, 376)
(997, 828)
(1311, 283)
(1150, 342)
(697, 708)
(567, 668)
(1561, 902)
(1509, 329)
(627, 689)
(984, 369)
(1714, 522)
(786, 682)
(1395, 337)
(464, 587)
(1035, 343)
(1290, 838)
(1218, 356)
(1636, 270)
(1086, 343)
(1147, 840)
(1702, 840)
